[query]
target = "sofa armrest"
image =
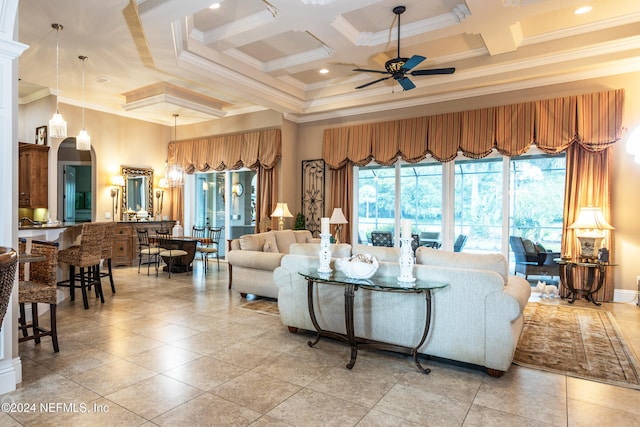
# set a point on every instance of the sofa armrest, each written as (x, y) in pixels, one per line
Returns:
(254, 259)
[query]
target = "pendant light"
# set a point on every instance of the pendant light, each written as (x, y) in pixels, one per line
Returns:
(83, 140)
(175, 173)
(57, 125)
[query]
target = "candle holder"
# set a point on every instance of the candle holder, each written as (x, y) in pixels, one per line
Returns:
(406, 261)
(325, 253)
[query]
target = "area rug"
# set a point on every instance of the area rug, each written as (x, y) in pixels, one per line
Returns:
(264, 306)
(578, 342)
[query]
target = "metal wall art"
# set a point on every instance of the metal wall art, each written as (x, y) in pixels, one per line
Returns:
(313, 194)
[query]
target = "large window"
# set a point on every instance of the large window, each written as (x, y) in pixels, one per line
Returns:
(485, 200)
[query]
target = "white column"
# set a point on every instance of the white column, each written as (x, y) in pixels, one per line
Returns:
(10, 366)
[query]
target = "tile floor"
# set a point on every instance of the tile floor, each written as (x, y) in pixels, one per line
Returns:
(182, 352)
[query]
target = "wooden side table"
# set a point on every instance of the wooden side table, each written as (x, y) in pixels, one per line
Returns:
(596, 272)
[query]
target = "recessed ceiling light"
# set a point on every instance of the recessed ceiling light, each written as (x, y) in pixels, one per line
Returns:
(323, 71)
(215, 6)
(582, 10)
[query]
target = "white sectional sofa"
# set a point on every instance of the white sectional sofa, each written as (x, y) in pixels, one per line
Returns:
(476, 319)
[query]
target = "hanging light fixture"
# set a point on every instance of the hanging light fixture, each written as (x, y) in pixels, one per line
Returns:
(83, 140)
(175, 173)
(57, 125)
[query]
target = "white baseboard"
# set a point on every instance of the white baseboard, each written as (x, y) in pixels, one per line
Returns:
(625, 296)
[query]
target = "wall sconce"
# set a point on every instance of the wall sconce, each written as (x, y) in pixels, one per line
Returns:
(282, 212)
(633, 144)
(117, 181)
(237, 189)
(338, 218)
(162, 184)
(592, 223)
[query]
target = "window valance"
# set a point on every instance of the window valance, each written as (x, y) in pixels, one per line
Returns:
(257, 149)
(594, 121)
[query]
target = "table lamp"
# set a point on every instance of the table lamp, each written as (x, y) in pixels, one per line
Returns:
(590, 226)
(282, 212)
(338, 218)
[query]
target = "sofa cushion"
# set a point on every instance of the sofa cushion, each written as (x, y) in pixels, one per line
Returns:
(440, 258)
(252, 242)
(284, 239)
(270, 244)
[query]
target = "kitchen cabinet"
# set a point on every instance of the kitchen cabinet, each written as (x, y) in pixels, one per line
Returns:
(33, 176)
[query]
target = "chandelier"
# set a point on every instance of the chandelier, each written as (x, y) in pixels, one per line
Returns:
(175, 173)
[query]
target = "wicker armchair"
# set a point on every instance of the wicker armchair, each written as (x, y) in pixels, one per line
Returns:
(531, 262)
(85, 256)
(8, 261)
(40, 288)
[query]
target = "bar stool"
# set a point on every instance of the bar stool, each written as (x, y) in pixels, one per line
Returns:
(107, 252)
(85, 256)
(40, 288)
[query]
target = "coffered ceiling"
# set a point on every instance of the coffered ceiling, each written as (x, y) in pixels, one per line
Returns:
(149, 59)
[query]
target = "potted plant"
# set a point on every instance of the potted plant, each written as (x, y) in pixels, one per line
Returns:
(300, 223)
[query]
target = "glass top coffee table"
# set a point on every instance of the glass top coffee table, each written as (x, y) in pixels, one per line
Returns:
(375, 283)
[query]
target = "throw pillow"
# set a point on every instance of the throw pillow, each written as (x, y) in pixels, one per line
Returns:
(529, 247)
(252, 242)
(270, 244)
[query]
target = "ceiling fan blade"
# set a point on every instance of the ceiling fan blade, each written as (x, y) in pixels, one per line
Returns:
(413, 61)
(433, 71)
(406, 83)
(364, 70)
(375, 81)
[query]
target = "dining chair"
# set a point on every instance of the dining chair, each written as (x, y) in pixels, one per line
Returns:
(211, 247)
(8, 262)
(145, 248)
(40, 289)
(169, 250)
(86, 256)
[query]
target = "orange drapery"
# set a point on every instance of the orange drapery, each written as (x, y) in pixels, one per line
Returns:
(260, 150)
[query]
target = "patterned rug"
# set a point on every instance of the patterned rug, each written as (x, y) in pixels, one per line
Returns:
(578, 342)
(264, 306)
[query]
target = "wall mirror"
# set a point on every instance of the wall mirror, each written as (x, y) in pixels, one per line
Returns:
(137, 193)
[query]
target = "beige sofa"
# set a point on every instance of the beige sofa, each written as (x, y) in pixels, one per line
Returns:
(477, 318)
(253, 257)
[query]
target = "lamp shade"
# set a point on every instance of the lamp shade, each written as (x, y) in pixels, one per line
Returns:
(83, 141)
(163, 183)
(117, 180)
(591, 218)
(281, 211)
(338, 217)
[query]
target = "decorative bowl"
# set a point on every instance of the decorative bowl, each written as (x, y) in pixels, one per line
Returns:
(361, 266)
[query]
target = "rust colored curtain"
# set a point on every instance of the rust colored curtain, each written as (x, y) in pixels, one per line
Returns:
(341, 194)
(588, 183)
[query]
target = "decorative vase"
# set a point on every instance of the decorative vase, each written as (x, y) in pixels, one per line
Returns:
(406, 261)
(325, 254)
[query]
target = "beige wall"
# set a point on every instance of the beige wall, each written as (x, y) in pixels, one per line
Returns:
(118, 141)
